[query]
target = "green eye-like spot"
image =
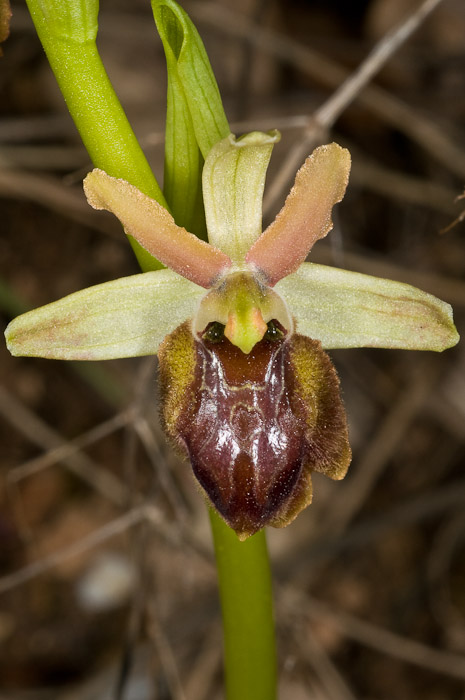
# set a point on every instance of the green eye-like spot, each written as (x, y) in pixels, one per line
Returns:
(214, 332)
(274, 331)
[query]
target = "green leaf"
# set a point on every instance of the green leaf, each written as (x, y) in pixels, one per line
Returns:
(347, 310)
(186, 53)
(233, 181)
(128, 317)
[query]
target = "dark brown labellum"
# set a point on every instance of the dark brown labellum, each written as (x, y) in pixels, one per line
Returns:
(254, 425)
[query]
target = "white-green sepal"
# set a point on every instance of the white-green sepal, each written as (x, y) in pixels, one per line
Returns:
(127, 317)
(233, 181)
(349, 310)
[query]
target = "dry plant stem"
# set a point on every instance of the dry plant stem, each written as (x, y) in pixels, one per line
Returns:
(407, 650)
(96, 538)
(405, 188)
(52, 193)
(393, 429)
(64, 158)
(38, 432)
(146, 512)
(384, 49)
(36, 127)
(163, 654)
(199, 684)
(324, 118)
(163, 475)
(331, 680)
(324, 70)
(372, 636)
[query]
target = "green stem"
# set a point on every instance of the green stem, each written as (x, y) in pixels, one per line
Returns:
(246, 601)
(99, 117)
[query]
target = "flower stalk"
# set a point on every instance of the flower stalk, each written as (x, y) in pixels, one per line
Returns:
(246, 601)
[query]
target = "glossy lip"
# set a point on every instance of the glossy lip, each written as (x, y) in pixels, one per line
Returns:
(251, 428)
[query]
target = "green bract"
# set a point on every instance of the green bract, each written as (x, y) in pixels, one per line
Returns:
(189, 67)
(131, 316)
(195, 119)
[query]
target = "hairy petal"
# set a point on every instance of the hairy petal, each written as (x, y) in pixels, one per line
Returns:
(128, 317)
(233, 180)
(346, 309)
(155, 229)
(306, 216)
(317, 403)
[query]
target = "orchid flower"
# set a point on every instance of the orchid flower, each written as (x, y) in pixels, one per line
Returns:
(240, 325)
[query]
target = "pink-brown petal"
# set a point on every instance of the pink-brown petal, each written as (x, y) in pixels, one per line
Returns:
(254, 426)
(306, 216)
(155, 229)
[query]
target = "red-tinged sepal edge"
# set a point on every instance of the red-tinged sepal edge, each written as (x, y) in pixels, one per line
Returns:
(254, 426)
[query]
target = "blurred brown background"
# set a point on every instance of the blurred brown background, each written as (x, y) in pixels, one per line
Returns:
(107, 584)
